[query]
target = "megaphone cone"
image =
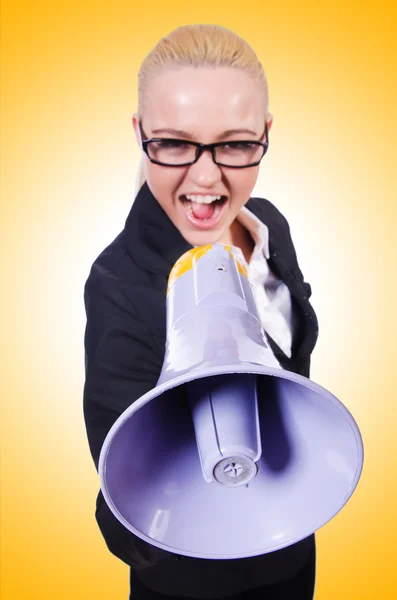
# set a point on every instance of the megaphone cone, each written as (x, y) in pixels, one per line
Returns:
(229, 456)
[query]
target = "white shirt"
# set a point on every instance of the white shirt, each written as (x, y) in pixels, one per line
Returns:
(273, 297)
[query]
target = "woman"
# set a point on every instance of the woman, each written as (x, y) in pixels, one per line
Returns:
(200, 85)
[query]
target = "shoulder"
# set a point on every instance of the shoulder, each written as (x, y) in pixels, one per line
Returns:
(281, 246)
(119, 288)
(280, 240)
(115, 268)
(110, 289)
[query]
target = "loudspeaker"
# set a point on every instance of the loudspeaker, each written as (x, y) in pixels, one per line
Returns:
(230, 455)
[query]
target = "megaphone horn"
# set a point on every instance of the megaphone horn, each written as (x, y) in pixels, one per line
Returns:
(230, 455)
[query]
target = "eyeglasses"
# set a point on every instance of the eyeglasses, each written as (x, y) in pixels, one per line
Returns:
(181, 153)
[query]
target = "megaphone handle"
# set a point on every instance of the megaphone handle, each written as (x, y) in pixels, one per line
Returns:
(226, 424)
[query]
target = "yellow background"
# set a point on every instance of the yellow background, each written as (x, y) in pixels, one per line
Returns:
(68, 172)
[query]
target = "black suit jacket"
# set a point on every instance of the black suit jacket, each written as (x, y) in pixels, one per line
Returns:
(125, 300)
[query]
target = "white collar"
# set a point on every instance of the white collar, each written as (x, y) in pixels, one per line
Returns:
(258, 230)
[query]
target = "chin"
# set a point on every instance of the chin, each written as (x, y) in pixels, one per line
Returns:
(202, 238)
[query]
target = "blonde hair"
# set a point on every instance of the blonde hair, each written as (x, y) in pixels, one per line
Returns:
(198, 46)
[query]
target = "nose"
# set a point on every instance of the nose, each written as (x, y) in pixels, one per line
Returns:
(205, 172)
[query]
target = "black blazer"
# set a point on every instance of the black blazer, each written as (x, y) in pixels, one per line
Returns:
(125, 300)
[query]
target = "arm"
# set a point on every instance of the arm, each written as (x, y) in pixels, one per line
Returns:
(121, 365)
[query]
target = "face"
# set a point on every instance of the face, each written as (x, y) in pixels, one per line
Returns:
(204, 105)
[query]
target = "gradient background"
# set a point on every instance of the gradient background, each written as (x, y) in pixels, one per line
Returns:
(69, 158)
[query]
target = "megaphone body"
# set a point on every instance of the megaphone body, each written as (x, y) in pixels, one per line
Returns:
(230, 455)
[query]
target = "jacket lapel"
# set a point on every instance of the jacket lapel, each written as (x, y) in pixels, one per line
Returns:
(284, 264)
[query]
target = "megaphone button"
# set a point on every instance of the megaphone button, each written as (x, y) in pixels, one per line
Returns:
(235, 471)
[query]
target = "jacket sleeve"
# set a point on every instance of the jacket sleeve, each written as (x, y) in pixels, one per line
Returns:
(121, 365)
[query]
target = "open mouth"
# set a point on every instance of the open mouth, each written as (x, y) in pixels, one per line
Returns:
(204, 212)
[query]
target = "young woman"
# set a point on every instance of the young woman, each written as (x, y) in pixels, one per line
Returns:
(203, 126)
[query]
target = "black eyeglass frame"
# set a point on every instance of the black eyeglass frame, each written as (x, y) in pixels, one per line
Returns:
(200, 148)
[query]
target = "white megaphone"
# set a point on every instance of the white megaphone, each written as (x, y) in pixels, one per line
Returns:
(230, 455)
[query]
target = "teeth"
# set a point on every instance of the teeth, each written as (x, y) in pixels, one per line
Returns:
(202, 199)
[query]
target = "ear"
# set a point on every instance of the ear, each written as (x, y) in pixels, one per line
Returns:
(269, 121)
(135, 124)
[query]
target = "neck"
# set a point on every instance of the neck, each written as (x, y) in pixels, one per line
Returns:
(237, 235)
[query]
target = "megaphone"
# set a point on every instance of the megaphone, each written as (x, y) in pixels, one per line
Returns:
(230, 455)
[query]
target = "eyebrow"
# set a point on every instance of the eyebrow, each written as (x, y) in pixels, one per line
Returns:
(185, 134)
